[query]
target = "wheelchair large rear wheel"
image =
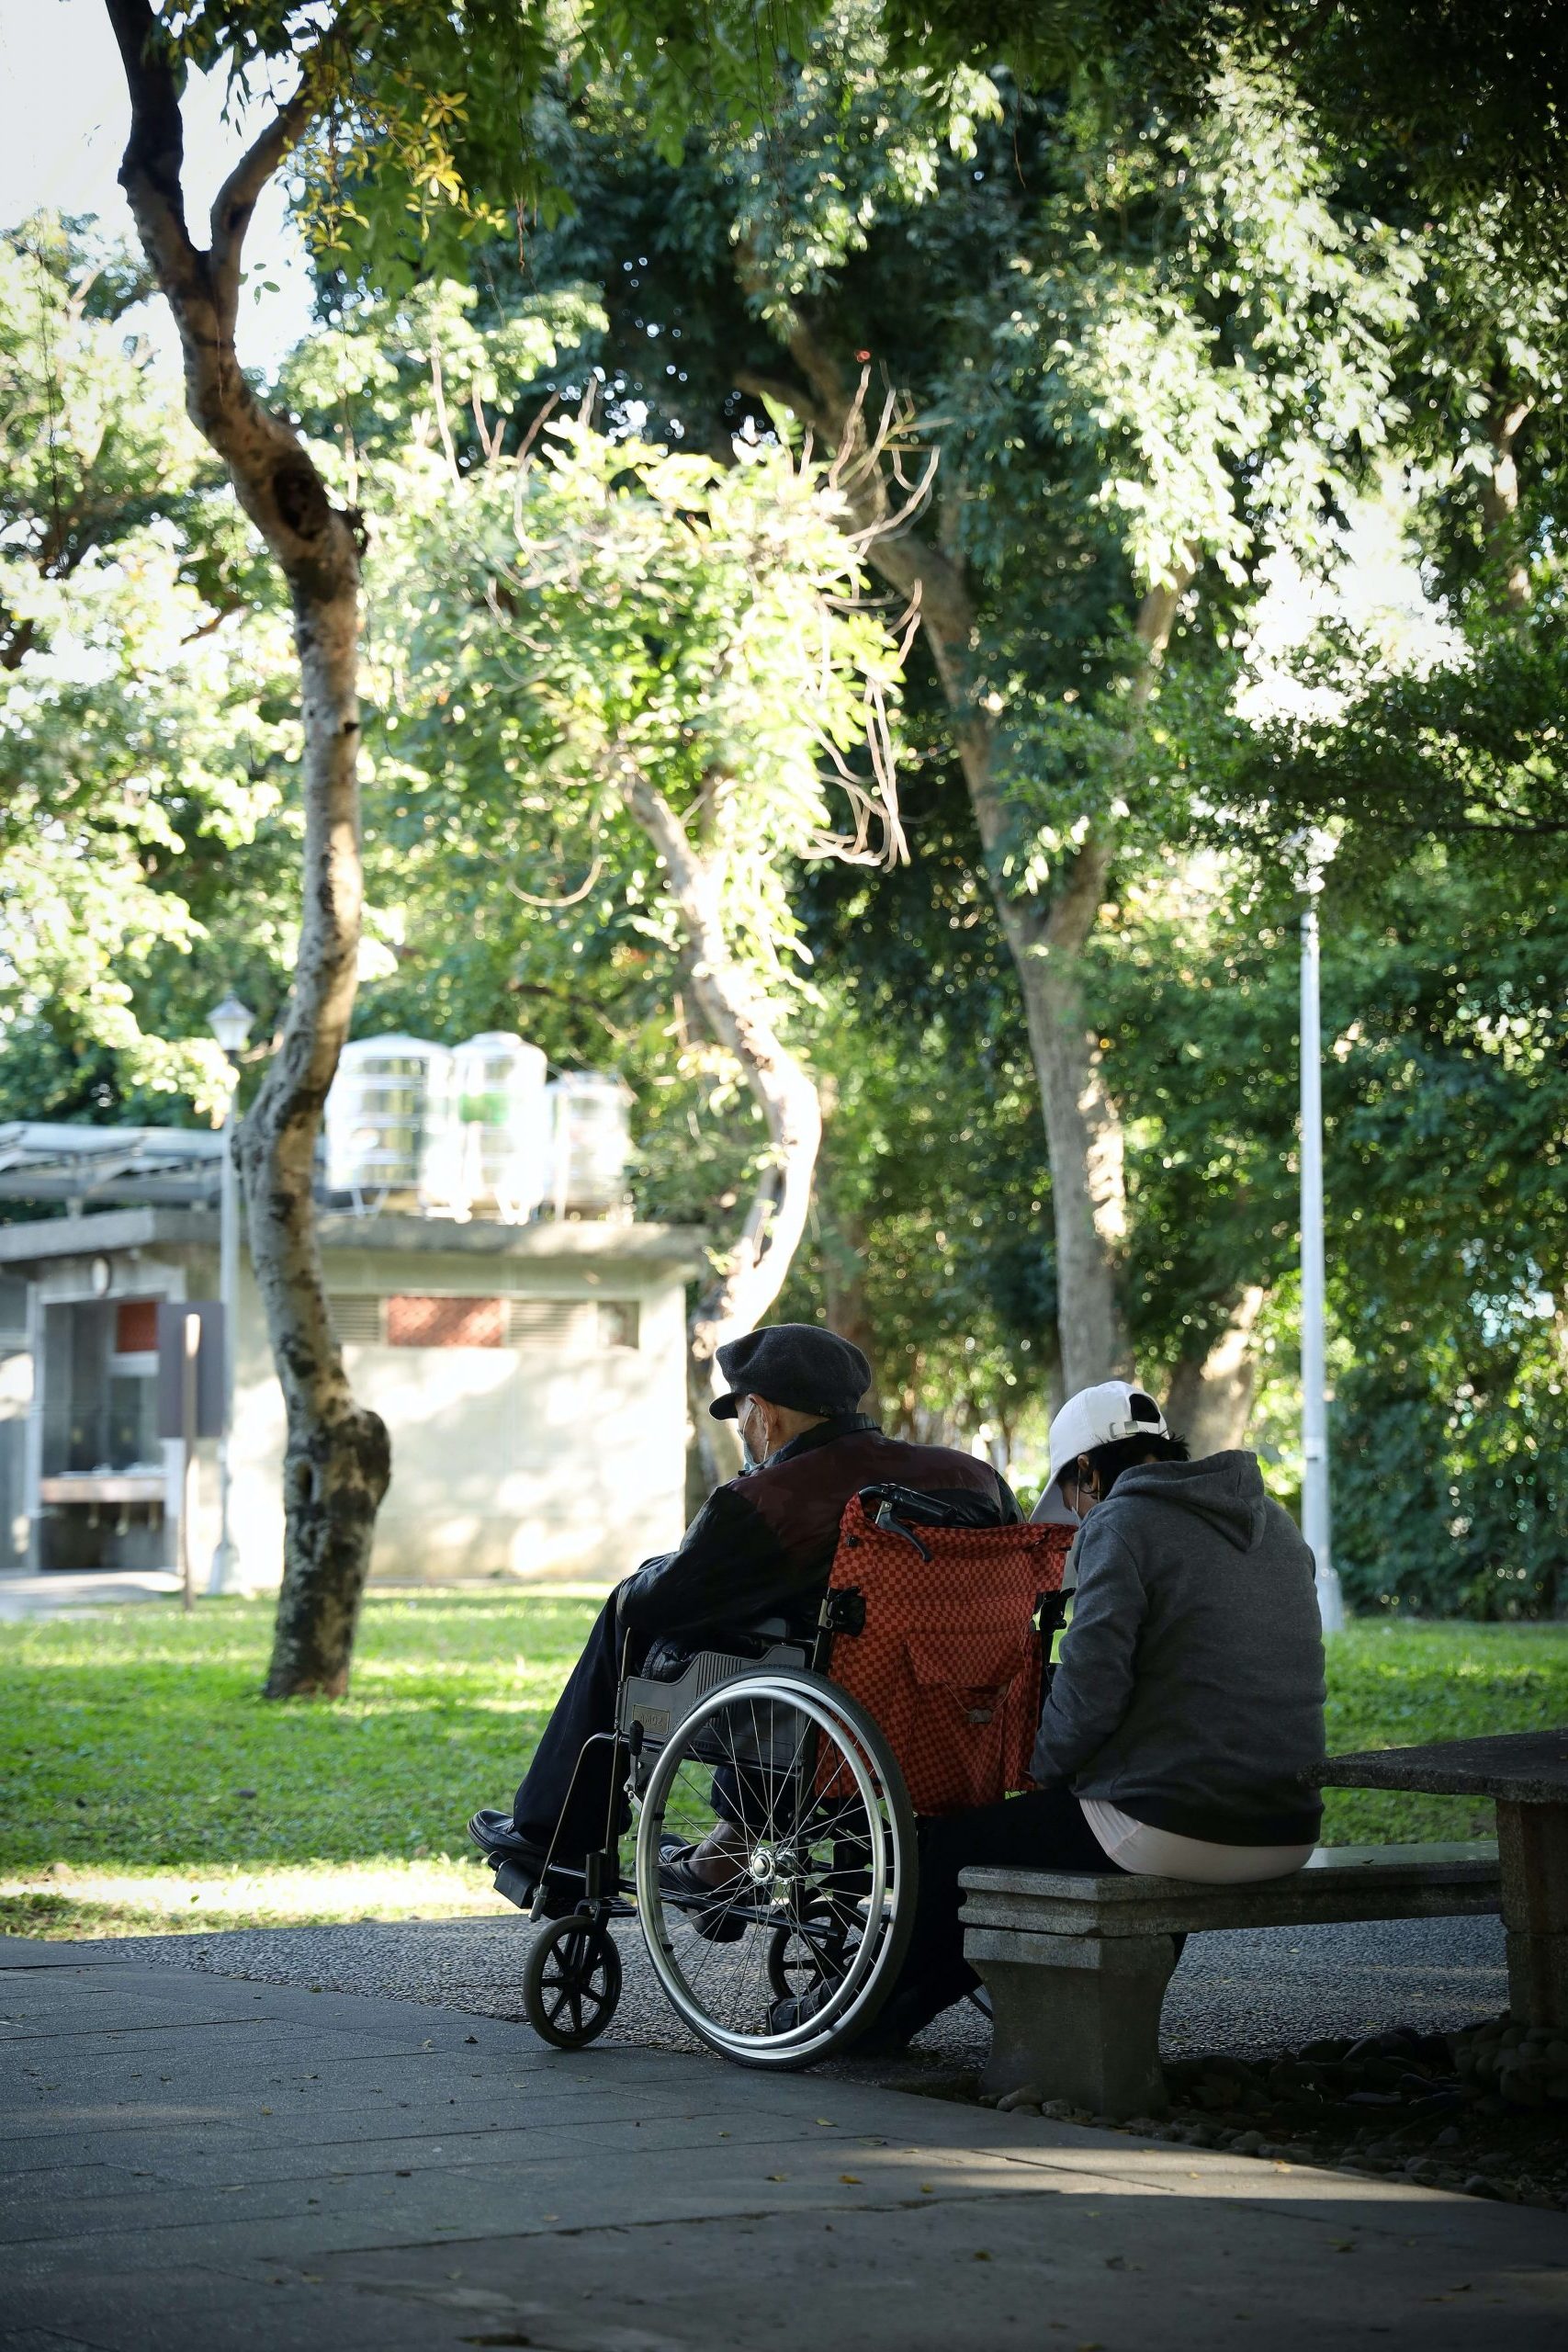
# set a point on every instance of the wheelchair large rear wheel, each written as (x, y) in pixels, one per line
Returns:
(817, 1835)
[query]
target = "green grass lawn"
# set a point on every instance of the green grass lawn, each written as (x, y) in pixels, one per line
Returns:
(128, 1740)
(146, 1786)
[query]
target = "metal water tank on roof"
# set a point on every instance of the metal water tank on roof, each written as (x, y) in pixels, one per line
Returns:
(593, 1142)
(501, 1099)
(391, 1135)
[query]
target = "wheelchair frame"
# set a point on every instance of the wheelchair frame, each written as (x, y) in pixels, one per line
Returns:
(572, 1983)
(649, 1713)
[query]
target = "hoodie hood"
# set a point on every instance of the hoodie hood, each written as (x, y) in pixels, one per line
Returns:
(1224, 1490)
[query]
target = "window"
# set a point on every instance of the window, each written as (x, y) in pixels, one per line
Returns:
(13, 1323)
(620, 1323)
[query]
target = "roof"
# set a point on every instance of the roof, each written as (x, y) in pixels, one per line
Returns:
(676, 1248)
(52, 1160)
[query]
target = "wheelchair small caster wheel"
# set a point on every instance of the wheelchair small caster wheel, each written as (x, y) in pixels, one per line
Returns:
(572, 1985)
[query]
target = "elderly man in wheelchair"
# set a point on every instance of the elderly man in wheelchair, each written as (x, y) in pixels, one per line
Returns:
(850, 1633)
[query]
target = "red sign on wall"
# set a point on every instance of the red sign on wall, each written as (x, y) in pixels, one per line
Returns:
(135, 1326)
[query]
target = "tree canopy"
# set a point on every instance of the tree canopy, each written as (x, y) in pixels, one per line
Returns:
(1132, 437)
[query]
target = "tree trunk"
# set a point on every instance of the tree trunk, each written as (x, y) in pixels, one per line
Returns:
(1500, 500)
(843, 1242)
(337, 1461)
(1046, 936)
(844, 1296)
(737, 1017)
(1211, 1397)
(1083, 1127)
(1048, 939)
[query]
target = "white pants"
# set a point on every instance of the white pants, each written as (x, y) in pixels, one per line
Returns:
(1161, 1853)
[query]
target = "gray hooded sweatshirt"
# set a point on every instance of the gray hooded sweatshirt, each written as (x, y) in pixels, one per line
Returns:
(1189, 1691)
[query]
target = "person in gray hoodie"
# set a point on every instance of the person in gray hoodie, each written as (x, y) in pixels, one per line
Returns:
(1187, 1712)
(1184, 1720)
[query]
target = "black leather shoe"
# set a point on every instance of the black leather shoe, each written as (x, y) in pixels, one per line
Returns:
(709, 1908)
(495, 1834)
(886, 2035)
(889, 2033)
(799, 2009)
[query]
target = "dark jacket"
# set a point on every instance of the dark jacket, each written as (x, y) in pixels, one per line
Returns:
(1191, 1690)
(763, 1544)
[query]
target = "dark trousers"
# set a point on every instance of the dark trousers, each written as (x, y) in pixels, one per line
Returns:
(569, 1782)
(563, 1764)
(1045, 1829)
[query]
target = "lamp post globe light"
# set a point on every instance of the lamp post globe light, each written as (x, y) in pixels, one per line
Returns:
(1311, 851)
(230, 1024)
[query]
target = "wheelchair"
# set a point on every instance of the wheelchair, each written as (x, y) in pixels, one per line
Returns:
(801, 1770)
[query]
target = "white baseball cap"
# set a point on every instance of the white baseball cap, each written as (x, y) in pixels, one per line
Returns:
(1098, 1415)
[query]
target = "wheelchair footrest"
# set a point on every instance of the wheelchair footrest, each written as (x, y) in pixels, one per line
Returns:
(515, 1884)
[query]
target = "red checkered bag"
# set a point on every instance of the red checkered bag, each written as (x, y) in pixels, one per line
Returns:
(948, 1663)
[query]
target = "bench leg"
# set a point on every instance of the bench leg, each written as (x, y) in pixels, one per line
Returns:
(1532, 1850)
(1076, 2017)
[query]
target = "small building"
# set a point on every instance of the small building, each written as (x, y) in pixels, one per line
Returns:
(532, 1376)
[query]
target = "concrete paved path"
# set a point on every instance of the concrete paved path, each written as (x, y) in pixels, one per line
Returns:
(193, 2160)
(63, 1593)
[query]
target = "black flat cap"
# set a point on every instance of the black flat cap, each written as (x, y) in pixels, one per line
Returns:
(795, 1365)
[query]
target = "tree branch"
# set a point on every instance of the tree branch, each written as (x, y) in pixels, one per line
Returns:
(278, 485)
(151, 169)
(790, 396)
(572, 897)
(936, 590)
(236, 200)
(919, 571)
(737, 1018)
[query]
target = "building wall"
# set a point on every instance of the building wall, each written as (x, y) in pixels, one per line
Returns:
(558, 1455)
(554, 1452)
(15, 1404)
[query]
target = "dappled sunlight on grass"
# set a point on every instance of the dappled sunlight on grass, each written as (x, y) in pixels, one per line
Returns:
(140, 1765)
(69, 1902)
(138, 1741)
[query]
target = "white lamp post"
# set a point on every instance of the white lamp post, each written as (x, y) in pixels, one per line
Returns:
(1313, 850)
(230, 1024)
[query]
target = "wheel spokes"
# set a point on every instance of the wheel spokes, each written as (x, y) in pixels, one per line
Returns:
(821, 1860)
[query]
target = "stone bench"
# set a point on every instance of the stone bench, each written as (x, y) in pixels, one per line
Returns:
(1077, 1965)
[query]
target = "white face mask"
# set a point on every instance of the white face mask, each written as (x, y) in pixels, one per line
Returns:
(1071, 1518)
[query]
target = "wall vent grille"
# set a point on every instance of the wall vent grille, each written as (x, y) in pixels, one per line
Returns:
(358, 1322)
(412, 1320)
(565, 1323)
